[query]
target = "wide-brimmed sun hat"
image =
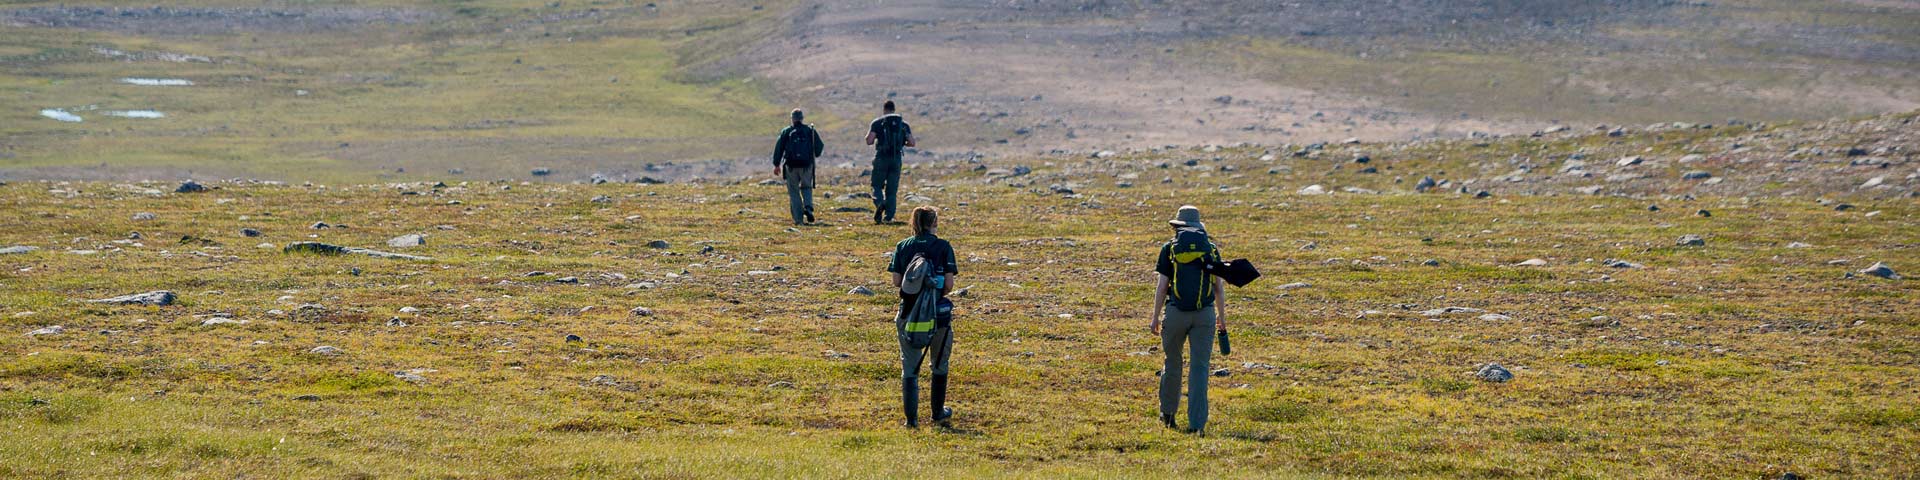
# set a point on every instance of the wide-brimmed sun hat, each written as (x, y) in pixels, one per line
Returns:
(1188, 216)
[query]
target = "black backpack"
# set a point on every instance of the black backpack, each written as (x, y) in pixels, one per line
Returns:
(892, 138)
(1191, 251)
(799, 149)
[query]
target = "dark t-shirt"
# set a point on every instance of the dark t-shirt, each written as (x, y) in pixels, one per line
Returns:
(937, 250)
(874, 128)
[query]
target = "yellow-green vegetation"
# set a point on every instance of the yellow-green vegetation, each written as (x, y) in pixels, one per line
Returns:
(521, 85)
(1737, 359)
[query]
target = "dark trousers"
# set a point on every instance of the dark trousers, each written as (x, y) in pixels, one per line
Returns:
(886, 185)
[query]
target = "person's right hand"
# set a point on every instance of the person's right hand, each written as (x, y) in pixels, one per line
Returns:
(777, 173)
(1154, 327)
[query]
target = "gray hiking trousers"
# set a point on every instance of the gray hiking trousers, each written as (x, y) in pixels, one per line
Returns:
(1193, 332)
(799, 192)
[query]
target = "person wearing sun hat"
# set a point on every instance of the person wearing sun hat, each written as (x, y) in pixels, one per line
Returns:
(1186, 295)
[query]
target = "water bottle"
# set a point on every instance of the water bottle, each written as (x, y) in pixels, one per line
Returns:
(1225, 347)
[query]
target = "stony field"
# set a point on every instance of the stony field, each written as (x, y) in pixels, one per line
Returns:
(1656, 323)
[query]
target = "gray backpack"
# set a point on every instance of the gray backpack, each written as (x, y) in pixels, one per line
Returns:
(915, 325)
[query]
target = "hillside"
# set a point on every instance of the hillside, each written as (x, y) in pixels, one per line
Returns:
(485, 90)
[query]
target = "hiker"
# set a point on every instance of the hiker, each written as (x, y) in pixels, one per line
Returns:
(793, 154)
(890, 137)
(1193, 314)
(923, 268)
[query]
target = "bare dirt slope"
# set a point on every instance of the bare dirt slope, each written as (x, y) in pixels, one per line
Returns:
(1036, 76)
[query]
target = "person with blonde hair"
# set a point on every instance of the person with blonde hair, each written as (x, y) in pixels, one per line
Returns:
(923, 268)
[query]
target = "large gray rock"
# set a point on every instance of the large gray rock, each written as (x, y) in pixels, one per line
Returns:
(1426, 183)
(1493, 372)
(1444, 311)
(144, 216)
(860, 290)
(1691, 241)
(1881, 270)
(326, 350)
(410, 240)
(329, 249)
(1695, 175)
(18, 249)
(53, 330)
(154, 298)
(190, 186)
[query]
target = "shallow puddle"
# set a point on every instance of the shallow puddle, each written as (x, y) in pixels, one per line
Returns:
(157, 82)
(137, 114)
(61, 115)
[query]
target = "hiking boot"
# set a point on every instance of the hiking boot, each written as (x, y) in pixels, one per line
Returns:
(940, 418)
(1167, 419)
(911, 423)
(810, 215)
(876, 218)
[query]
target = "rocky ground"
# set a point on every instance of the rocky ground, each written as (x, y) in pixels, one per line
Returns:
(1505, 322)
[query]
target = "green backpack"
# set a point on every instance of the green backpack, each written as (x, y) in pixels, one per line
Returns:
(1191, 251)
(892, 138)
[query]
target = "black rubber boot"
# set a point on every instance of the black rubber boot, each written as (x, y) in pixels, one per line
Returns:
(1167, 419)
(910, 398)
(940, 411)
(809, 213)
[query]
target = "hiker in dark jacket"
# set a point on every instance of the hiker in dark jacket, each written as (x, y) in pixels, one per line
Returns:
(890, 136)
(938, 255)
(1194, 312)
(793, 155)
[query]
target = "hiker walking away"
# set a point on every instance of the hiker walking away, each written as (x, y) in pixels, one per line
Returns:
(793, 154)
(923, 268)
(890, 137)
(1187, 294)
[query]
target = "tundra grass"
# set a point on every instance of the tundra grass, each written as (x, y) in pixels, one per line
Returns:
(1739, 359)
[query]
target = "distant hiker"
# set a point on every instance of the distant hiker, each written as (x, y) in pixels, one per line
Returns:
(1193, 313)
(890, 137)
(793, 154)
(923, 267)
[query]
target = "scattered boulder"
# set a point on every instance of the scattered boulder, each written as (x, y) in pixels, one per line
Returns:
(1691, 241)
(53, 330)
(641, 312)
(319, 225)
(1695, 175)
(1880, 269)
(1630, 161)
(541, 172)
(410, 240)
(410, 376)
(659, 244)
(571, 338)
(217, 321)
(1495, 373)
(1703, 213)
(190, 186)
(860, 290)
(1295, 285)
(1444, 311)
(1494, 317)
(144, 216)
(1312, 190)
(249, 232)
(1221, 372)
(326, 350)
(601, 199)
(1615, 263)
(1531, 262)
(154, 298)
(1798, 245)
(1426, 183)
(329, 249)
(18, 249)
